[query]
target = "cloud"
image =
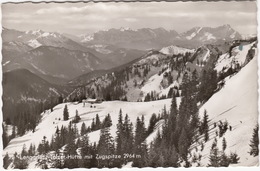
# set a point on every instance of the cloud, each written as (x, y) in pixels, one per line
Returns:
(97, 8)
(130, 19)
(180, 16)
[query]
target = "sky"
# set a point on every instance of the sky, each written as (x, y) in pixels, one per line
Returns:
(86, 18)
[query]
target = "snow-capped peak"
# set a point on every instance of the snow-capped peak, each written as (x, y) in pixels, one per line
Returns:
(40, 33)
(52, 34)
(125, 29)
(192, 35)
(37, 32)
(34, 43)
(226, 25)
(86, 38)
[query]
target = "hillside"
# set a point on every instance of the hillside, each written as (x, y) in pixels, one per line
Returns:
(236, 103)
(156, 71)
(57, 62)
(25, 95)
(50, 120)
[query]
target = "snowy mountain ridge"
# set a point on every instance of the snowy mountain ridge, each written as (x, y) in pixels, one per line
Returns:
(175, 50)
(238, 56)
(160, 37)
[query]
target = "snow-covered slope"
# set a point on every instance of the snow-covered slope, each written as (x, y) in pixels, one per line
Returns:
(194, 33)
(50, 120)
(34, 43)
(236, 103)
(154, 83)
(239, 54)
(175, 50)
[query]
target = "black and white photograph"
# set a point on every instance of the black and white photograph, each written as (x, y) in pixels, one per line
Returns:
(169, 84)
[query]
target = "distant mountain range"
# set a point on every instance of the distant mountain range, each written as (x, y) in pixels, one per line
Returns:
(60, 57)
(147, 38)
(55, 55)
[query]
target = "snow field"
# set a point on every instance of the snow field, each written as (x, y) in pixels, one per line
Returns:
(237, 104)
(175, 50)
(50, 120)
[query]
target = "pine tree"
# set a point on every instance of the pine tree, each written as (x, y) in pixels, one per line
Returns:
(65, 113)
(4, 136)
(93, 125)
(140, 146)
(24, 151)
(77, 117)
(233, 158)
(209, 83)
(170, 133)
(85, 150)
(43, 147)
(183, 145)
(152, 123)
(214, 158)
(224, 160)
(70, 149)
(57, 144)
(128, 137)
(19, 163)
(119, 136)
(6, 161)
(31, 151)
(170, 93)
(107, 122)
(75, 131)
(98, 122)
(83, 129)
(170, 156)
(224, 144)
(144, 155)
(13, 135)
(254, 143)
(155, 152)
(204, 128)
(57, 140)
(52, 144)
(105, 147)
